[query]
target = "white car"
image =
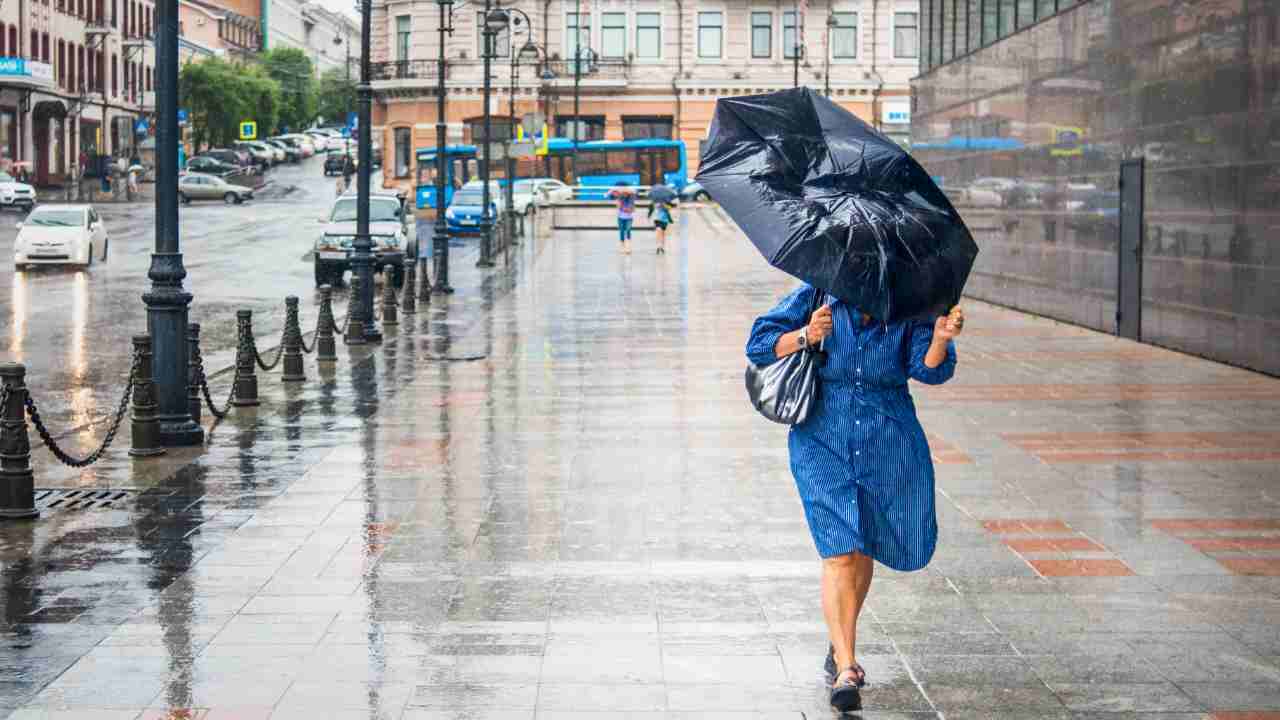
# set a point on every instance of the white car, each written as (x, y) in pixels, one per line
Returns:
(319, 140)
(60, 235)
(16, 194)
(388, 226)
(303, 142)
(540, 191)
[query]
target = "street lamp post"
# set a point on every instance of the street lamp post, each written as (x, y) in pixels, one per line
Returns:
(494, 22)
(530, 49)
(347, 41)
(440, 232)
(167, 302)
(362, 257)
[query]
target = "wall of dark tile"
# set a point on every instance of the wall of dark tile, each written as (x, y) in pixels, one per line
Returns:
(1027, 132)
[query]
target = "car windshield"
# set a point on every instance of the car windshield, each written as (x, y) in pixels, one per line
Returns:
(57, 218)
(469, 196)
(379, 211)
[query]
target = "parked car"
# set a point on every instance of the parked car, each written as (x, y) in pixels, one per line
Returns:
(196, 186)
(291, 153)
(303, 143)
(14, 194)
(230, 157)
(540, 191)
(277, 155)
(693, 191)
(338, 163)
(261, 156)
(983, 194)
(464, 211)
(59, 235)
(388, 225)
(318, 139)
(210, 166)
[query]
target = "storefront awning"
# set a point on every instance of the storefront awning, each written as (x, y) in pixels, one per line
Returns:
(24, 73)
(969, 143)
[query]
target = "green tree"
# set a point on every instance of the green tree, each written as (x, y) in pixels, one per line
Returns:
(336, 96)
(292, 69)
(221, 95)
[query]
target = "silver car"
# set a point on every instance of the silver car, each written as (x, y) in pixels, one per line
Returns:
(195, 186)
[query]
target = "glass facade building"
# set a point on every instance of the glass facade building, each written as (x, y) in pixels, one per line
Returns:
(1026, 112)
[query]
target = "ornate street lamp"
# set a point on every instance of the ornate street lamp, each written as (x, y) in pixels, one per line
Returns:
(362, 257)
(530, 51)
(440, 233)
(495, 21)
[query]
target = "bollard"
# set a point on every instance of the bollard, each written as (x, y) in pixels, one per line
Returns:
(194, 405)
(409, 303)
(326, 348)
(389, 318)
(17, 482)
(355, 328)
(292, 371)
(145, 424)
(246, 383)
(424, 287)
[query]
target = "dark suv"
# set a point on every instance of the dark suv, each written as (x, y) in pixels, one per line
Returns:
(338, 164)
(230, 157)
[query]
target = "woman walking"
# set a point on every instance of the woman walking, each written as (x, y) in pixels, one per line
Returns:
(660, 212)
(625, 199)
(860, 460)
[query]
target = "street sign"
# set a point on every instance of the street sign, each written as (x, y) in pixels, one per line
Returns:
(140, 127)
(182, 116)
(248, 130)
(532, 123)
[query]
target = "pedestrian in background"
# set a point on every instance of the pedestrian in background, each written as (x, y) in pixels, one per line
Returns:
(660, 212)
(860, 458)
(625, 200)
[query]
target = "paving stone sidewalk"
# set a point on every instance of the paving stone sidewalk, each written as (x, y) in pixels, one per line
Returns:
(548, 497)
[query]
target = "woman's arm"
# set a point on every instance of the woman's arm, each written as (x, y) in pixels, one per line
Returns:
(816, 331)
(933, 354)
(784, 319)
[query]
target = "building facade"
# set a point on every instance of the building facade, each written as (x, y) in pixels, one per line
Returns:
(230, 33)
(1029, 112)
(658, 66)
(75, 80)
(323, 34)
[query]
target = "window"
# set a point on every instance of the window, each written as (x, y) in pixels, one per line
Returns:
(149, 79)
(404, 150)
(402, 38)
(613, 35)
(1008, 9)
(710, 34)
(501, 128)
(648, 35)
(62, 63)
(761, 34)
(44, 48)
(790, 40)
(115, 12)
(1026, 13)
(906, 35)
(990, 22)
(637, 127)
(501, 40)
(844, 35)
(592, 127)
(1045, 8)
(975, 25)
(577, 36)
(948, 30)
(33, 50)
(115, 76)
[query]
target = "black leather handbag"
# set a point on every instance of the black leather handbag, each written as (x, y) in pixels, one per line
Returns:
(786, 390)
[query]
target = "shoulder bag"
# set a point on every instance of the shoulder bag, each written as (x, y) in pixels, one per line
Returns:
(785, 390)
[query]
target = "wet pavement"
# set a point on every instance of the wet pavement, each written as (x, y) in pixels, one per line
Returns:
(72, 328)
(547, 496)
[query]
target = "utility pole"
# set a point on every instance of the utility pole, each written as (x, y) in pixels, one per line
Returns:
(491, 25)
(440, 232)
(167, 301)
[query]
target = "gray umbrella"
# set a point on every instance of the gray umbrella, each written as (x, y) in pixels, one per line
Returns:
(662, 193)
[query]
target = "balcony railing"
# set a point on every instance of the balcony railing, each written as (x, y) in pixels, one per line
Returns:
(597, 69)
(404, 70)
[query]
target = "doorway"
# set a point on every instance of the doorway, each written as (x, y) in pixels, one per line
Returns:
(1129, 278)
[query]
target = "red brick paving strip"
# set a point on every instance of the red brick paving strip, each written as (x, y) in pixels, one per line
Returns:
(1204, 534)
(1026, 526)
(1094, 447)
(1081, 568)
(1107, 392)
(1269, 567)
(1062, 545)
(944, 453)
(1246, 715)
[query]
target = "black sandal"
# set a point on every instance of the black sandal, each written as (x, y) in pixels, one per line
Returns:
(830, 668)
(845, 692)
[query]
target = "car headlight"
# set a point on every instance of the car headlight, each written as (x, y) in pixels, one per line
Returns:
(449, 214)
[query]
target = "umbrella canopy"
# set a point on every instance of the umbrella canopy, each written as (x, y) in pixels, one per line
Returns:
(662, 193)
(828, 199)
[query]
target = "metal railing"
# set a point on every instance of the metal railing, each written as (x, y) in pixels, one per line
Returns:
(405, 70)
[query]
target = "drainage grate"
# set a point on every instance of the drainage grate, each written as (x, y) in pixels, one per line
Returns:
(94, 499)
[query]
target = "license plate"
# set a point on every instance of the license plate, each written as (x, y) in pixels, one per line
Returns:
(333, 255)
(466, 222)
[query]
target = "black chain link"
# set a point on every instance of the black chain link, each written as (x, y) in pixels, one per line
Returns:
(302, 339)
(94, 456)
(198, 360)
(268, 367)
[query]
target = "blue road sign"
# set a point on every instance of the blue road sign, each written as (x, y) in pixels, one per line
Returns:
(182, 116)
(141, 127)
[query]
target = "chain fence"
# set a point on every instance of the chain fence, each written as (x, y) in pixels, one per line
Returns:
(62, 455)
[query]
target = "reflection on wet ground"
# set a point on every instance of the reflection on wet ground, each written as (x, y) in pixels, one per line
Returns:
(590, 519)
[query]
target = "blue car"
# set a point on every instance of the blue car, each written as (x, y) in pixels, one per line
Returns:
(463, 214)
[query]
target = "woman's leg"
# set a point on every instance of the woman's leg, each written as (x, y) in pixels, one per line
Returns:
(846, 579)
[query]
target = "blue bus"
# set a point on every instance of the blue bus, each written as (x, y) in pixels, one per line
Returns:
(601, 163)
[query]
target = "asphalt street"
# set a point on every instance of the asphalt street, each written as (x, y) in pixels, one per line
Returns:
(72, 327)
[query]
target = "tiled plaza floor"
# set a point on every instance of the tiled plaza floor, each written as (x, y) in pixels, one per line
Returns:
(591, 521)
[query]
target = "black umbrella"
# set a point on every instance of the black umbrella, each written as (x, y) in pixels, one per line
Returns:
(662, 193)
(828, 199)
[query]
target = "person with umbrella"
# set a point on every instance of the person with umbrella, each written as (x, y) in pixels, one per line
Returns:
(661, 203)
(625, 199)
(883, 257)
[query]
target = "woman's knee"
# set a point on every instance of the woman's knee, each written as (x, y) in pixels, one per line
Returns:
(845, 562)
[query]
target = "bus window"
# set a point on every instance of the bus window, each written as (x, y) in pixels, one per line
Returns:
(622, 162)
(461, 172)
(592, 163)
(670, 160)
(426, 171)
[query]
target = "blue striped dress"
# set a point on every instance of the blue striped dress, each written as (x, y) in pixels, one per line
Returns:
(860, 460)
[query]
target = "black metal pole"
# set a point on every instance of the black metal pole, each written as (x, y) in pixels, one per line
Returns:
(577, 87)
(362, 258)
(795, 45)
(511, 161)
(486, 219)
(167, 301)
(440, 233)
